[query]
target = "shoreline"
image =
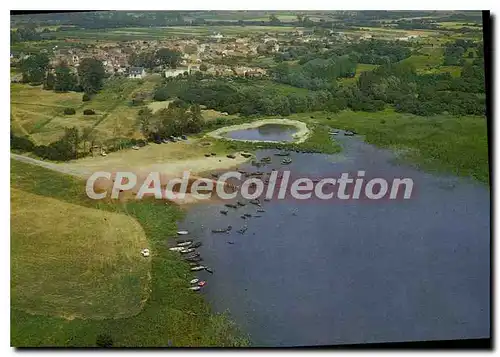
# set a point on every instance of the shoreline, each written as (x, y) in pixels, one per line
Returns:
(299, 137)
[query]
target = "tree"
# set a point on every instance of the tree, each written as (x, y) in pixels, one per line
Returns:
(168, 58)
(34, 68)
(203, 67)
(91, 73)
(65, 80)
(48, 84)
(144, 117)
(72, 138)
(88, 136)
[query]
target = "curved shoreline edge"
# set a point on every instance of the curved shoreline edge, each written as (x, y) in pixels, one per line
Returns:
(300, 136)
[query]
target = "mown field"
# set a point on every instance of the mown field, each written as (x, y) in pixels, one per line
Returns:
(72, 262)
(172, 315)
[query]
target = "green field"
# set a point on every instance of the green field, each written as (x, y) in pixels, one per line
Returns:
(159, 33)
(171, 315)
(72, 262)
(39, 112)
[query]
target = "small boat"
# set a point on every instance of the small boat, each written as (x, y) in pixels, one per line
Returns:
(224, 211)
(194, 281)
(242, 172)
(255, 202)
(185, 244)
(222, 230)
(209, 270)
(198, 268)
(213, 154)
(194, 255)
(195, 260)
(194, 288)
(230, 205)
(188, 250)
(182, 233)
(241, 203)
(207, 155)
(202, 283)
(195, 245)
(230, 156)
(135, 147)
(176, 249)
(242, 230)
(243, 216)
(348, 133)
(246, 154)
(257, 216)
(282, 153)
(266, 159)
(286, 161)
(247, 215)
(260, 210)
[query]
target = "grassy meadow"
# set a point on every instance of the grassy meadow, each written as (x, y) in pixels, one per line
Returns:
(172, 315)
(444, 143)
(75, 262)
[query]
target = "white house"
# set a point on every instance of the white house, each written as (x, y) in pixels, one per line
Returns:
(136, 72)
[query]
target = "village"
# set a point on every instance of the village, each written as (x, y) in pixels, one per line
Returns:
(215, 54)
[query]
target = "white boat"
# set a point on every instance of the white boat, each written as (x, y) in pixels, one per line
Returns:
(184, 244)
(182, 233)
(194, 281)
(198, 267)
(176, 249)
(194, 288)
(189, 250)
(135, 147)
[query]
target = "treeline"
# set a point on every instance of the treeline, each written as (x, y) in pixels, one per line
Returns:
(379, 52)
(26, 33)
(248, 97)
(425, 94)
(64, 149)
(454, 52)
(316, 74)
(178, 119)
(89, 79)
(397, 85)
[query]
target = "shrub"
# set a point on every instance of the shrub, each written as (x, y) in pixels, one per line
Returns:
(104, 340)
(85, 97)
(88, 112)
(69, 111)
(161, 95)
(21, 143)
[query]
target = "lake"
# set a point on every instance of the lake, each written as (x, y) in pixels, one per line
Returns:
(265, 132)
(340, 272)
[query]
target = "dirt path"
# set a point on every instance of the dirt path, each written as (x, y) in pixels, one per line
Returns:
(153, 158)
(62, 168)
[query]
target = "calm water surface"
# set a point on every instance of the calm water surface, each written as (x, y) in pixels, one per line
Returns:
(312, 273)
(266, 132)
